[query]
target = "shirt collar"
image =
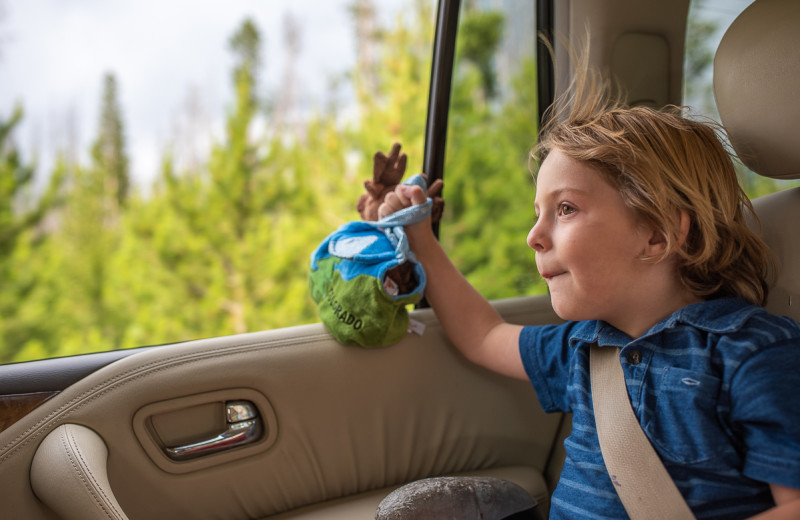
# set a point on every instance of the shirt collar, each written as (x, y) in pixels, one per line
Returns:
(719, 316)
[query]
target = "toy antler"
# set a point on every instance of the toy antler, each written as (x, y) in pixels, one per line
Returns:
(387, 172)
(435, 193)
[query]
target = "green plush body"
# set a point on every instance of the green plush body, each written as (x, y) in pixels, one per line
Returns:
(358, 311)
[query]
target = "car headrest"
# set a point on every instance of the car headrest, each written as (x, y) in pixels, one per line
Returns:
(757, 87)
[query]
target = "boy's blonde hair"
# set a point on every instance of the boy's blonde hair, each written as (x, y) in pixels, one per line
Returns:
(663, 163)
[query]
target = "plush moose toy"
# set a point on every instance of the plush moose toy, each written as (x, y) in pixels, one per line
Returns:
(363, 275)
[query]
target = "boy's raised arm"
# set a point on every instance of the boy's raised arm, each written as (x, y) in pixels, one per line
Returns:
(470, 322)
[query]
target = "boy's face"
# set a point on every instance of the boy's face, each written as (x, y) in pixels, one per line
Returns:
(588, 244)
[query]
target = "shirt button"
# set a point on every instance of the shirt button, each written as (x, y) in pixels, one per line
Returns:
(634, 357)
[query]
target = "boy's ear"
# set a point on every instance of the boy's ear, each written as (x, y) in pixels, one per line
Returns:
(657, 245)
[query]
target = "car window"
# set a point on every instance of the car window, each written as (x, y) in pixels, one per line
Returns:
(492, 127)
(172, 186)
(708, 21)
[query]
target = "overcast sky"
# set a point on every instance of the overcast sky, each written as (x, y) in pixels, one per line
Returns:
(54, 54)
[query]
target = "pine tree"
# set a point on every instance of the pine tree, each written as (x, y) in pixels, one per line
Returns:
(84, 291)
(222, 224)
(108, 151)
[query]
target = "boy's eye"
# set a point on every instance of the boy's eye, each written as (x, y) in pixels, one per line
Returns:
(565, 209)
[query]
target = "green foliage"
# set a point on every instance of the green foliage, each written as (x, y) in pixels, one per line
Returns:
(19, 211)
(22, 241)
(480, 35)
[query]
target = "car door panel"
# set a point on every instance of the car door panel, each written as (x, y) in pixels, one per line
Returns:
(337, 422)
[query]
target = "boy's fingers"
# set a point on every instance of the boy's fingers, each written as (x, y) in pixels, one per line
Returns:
(390, 204)
(402, 197)
(412, 194)
(399, 193)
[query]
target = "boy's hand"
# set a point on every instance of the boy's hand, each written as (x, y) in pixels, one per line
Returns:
(404, 196)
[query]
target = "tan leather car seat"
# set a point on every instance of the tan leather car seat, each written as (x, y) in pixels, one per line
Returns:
(756, 84)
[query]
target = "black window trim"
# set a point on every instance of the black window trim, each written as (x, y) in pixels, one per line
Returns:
(444, 50)
(545, 84)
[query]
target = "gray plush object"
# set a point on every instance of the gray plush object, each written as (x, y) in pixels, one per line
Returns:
(458, 498)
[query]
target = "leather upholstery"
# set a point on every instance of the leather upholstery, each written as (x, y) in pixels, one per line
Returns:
(779, 214)
(69, 474)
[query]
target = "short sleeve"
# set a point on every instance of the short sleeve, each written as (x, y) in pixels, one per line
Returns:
(765, 413)
(547, 358)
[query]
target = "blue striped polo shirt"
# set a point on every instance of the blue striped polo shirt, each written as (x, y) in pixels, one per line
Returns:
(715, 388)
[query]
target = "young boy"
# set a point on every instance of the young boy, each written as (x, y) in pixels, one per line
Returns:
(642, 240)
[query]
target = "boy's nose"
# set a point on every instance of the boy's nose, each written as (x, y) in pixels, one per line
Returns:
(536, 239)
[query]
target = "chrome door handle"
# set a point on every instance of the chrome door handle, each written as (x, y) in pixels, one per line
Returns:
(243, 428)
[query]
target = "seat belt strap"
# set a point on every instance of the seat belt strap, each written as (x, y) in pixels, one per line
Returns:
(639, 477)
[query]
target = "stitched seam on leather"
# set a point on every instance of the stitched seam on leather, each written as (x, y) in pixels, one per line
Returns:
(70, 448)
(133, 374)
(106, 500)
